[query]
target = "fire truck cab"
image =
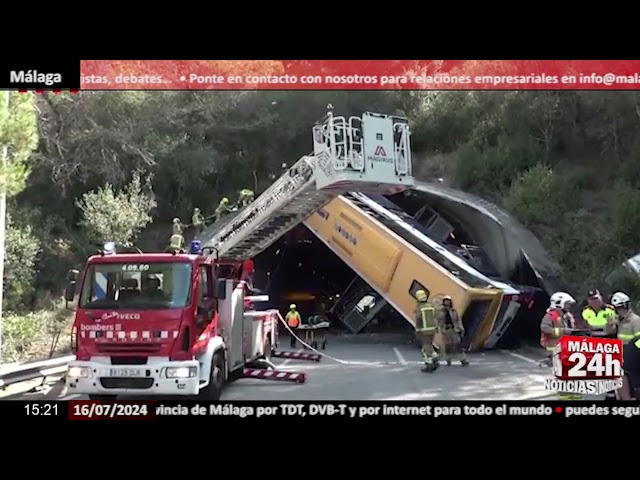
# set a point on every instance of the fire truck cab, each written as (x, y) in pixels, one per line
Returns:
(164, 324)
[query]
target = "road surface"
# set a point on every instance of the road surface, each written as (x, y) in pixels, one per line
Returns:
(380, 368)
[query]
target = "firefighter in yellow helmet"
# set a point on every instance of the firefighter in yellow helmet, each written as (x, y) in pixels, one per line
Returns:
(453, 331)
(628, 321)
(222, 209)
(426, 329)
(293, 320)
(176, 243)
(176, 226)
(245, 198)
(197, 219)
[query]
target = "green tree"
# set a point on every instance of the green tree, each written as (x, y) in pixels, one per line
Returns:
(20, 261)
(18, 138)
(538, 197)
(118, 216)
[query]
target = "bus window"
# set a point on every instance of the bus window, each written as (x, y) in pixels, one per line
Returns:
(415, 286)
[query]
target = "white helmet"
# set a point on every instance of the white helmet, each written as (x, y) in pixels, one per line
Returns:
(560, 299)
(620, 299)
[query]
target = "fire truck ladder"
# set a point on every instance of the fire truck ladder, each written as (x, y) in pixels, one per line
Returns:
(370, 153)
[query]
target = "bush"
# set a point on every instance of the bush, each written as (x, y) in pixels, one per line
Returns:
(36, 335)
(623, 280)
(625, 219)
(490, 170)
(539, 197)
(21, 257)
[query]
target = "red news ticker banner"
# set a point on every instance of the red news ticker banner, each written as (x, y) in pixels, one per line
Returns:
(360, 74)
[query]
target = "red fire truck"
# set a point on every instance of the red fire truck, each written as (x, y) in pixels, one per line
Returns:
(165, 324)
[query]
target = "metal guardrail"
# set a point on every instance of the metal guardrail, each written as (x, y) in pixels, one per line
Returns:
(34, 370)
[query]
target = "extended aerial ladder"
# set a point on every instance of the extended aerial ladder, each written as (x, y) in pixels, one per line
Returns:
(371, 153)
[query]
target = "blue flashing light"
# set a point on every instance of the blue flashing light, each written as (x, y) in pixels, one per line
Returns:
(109, 248)
(196, 247)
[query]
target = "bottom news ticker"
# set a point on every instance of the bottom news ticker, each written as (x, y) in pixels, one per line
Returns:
(343, 411)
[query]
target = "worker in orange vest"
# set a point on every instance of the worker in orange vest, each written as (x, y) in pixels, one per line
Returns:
(557, 322)
(293, 320)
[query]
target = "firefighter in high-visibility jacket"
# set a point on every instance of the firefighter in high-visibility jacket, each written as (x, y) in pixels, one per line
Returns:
(599, 316)
(176, 226)
(176, 243)
(452, 331)
(197, 219)
(628, 321)
(222, 209)
(426, 329)
(246, 197)
(293, 320)
(557, 321)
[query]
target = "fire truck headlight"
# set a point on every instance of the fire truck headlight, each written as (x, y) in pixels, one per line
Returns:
(181, 372)
(79, 372)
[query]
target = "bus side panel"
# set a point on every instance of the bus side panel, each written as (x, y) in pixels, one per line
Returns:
(369, 250)
(394, 269)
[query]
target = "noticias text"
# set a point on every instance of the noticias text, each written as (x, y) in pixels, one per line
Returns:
(587, 387)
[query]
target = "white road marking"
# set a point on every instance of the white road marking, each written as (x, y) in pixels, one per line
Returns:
(401, 358)
(284, 364)
(522, 357)
(70, 397)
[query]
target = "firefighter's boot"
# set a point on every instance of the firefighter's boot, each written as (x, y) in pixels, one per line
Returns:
(428, 368)
(464, 362)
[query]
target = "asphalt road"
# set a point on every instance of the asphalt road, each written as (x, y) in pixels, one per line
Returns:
(380, 368)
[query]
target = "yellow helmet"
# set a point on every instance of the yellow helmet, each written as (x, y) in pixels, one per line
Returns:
(196, 210)
(176, 220)
(224, 200)
(421, 296)
(292, 306)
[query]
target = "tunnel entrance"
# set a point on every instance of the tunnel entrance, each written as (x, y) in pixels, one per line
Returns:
(300, 269)
(445, 227)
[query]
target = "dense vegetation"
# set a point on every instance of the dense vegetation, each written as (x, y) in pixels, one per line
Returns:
(119, 165)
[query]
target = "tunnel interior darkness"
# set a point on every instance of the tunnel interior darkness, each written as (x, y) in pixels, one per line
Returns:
(301, 269)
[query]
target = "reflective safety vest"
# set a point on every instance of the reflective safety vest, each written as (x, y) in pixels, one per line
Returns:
(177, 242)
(197, 219)
(598, 320)
(293, 319)
(426, 318)
(546, 341)
(246, 193)
(629, 328)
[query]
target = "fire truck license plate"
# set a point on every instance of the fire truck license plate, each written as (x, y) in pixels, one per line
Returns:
(126, 372)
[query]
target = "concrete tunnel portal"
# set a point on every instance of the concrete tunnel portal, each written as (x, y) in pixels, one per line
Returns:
(300, 269)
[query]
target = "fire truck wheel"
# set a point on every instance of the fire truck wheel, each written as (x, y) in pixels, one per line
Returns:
(216, 379)
(267, 349)
(102, 397)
